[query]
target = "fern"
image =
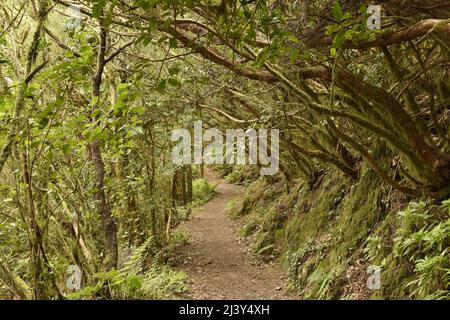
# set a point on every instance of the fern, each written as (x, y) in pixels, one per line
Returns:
(135, 263)
(423, 240)
(135, 280)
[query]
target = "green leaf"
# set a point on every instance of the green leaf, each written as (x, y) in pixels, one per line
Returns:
(97, 8)
(162, 85)
(349, 34)
(118, 108)
(174, 70)
(137, 110)
(122, 86)
(144, 4)
(173, 42)
(337, 11)
(330, 29)
(294, 55)
(136, 131)
(144, 39)
(261, 58)
(174, 82)
(94, 101)
(333, 52)
(339, 39)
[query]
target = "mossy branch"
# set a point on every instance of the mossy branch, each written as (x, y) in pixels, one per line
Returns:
(360, 148)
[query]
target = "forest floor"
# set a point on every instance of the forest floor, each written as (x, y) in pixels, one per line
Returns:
(218, 262)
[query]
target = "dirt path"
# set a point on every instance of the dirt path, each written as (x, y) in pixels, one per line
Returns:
(217, 260)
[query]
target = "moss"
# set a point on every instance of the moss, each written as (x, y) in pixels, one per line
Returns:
(279, 234)
(202, 192)
(325, 234)
(249, 228)
(395, 277)
(332, 221)
(264, 241)
(241, 174)
(253, 195)
(359, 214)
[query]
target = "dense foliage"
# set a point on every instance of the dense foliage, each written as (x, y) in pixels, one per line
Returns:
(91, 90)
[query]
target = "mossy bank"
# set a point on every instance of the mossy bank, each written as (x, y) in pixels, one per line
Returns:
(334, 235)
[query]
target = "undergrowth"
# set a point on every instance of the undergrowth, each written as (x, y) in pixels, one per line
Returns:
(202, 192)
(328, 236)
(137, 279)
(422, 246)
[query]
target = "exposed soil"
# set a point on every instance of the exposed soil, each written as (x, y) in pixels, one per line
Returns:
(218, 262)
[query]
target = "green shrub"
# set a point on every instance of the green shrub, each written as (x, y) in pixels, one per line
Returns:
(202, 191)
(423, 240)
(135, 280)
(179, 237)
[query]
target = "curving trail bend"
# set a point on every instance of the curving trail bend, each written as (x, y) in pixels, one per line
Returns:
(218, 262)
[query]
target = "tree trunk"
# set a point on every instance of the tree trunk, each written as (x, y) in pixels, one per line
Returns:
(101, 202)
(182, 184)
(189, 182)
(103, 208)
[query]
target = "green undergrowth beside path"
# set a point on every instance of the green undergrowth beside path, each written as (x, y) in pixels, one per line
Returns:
(142, 276)
(334, 236)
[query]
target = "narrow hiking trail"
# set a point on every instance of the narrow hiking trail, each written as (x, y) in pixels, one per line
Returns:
(218, 262)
